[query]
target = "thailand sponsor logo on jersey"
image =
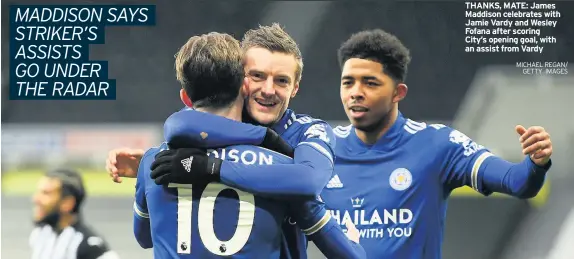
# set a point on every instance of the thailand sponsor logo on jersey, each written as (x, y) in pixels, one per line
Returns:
(375, 223)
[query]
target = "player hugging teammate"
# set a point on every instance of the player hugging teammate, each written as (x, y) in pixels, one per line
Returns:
(389, 175)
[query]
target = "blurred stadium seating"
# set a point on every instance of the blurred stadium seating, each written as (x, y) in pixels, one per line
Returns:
(446, 86)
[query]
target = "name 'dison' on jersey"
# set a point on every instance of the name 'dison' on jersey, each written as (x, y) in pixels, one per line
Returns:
(214, 220)
(396, 190)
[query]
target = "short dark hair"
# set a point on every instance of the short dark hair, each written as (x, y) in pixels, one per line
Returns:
(274, 39)
(210, 69)
(72, 185)
(378, 46)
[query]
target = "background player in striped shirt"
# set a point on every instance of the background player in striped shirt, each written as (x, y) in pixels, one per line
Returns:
(60, 232)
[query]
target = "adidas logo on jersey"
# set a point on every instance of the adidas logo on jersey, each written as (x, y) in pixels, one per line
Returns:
(335, 182)
(187, 163)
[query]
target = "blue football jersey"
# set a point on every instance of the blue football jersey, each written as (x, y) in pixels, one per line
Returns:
(302, 129)
(396, 190)
(212, 220)
(299, 129)
(313, 141)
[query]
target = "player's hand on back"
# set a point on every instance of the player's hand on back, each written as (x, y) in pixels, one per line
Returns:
(123, 162)
(536, 143)
(352, 232)
(186, 166)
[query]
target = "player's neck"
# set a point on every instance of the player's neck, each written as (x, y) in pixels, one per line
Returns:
(232, 112)
(371, 137)
(66, 221)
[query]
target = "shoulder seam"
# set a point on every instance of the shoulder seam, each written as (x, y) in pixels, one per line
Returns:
(414, 127)
(150, 150)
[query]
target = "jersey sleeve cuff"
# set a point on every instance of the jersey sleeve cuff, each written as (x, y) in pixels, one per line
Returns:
(539, 170)
(319, 225)
(140, 212)
(476, 175)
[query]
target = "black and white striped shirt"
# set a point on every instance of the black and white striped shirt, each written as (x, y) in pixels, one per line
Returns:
(74, 242)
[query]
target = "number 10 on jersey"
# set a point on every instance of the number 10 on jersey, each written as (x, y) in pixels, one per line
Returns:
(205, 219)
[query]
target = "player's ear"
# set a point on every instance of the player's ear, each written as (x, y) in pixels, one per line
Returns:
(184, 98)
(295, 90)
(400, 92)
(245, 87)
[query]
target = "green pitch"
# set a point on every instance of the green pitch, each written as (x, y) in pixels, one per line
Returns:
(97, 183)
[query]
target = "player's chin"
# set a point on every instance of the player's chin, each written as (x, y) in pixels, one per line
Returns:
(38, 215)
(357, 121)
(264, 118)
(362, 124)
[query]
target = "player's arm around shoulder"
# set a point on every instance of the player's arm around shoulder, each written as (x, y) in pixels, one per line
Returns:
(469, 163)
(316, 149)
(313, 161)
(123, 162)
